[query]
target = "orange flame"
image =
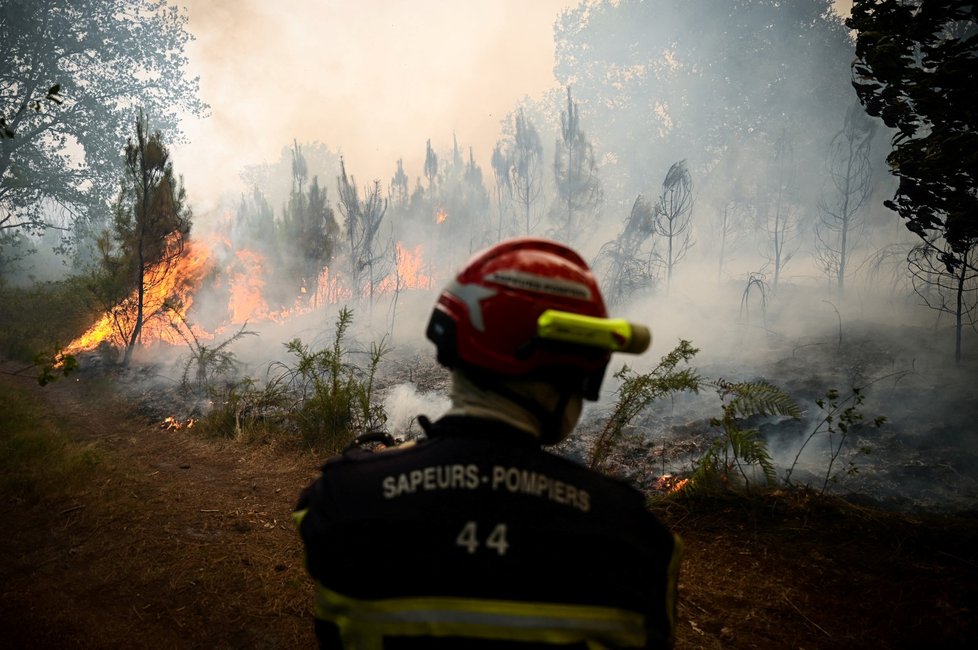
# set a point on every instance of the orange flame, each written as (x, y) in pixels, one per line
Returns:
(246, 302)
(169, 294)
(440, 216)
(669, 484)
(410, 273)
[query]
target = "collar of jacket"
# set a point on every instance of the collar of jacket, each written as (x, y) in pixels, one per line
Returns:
(482, 428)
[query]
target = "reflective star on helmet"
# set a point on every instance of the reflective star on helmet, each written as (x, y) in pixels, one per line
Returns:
(471, 295)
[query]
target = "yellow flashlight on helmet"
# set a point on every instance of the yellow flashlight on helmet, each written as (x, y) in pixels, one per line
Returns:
(612, 334)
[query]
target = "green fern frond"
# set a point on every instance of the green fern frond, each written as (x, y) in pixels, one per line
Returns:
(759, 398)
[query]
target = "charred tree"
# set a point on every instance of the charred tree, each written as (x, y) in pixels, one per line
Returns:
(630, 260)
(848, 188)
(502, 162)
(362, 219)
(527, 169)
(673, 217)
(778, 219)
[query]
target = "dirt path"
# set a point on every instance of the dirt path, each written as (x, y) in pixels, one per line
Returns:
(179, 542)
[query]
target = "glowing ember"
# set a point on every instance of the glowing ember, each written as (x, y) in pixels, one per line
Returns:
(171, 423)
(669, 484)
(440, 216)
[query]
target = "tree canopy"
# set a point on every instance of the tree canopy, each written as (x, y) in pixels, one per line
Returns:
(916, 69)
(107, 59)
(703, 79)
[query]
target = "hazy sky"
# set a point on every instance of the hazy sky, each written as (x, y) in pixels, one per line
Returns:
(372, 79)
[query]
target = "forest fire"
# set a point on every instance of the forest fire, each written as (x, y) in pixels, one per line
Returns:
(169, 295)
(171, 290)
(440, 216)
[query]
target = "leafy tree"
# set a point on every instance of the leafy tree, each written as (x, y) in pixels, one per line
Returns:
(151, 224)
(399, 192)
(254, 222)
(430, 164)
(309, 229)
(915, 69)
(848, 187)
(502, 163)
(99, 59)
(575, 172)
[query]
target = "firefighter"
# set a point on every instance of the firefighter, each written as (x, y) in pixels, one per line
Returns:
(476, 537)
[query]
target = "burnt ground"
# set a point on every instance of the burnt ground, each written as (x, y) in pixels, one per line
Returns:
(174, 541)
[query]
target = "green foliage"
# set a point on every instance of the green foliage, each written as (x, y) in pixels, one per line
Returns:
(739, 450)
(87, 63)
(54, 366)
(308, 231)
(244, 410)
(151, 223)
(36, 450)
(575, 174)
(35, 105)
(914, 68)
(331, 398)
(33, 319)
(709, 101)
(637, 391)
(840, 416)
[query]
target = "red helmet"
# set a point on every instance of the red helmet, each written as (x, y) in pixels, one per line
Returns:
(487, 318)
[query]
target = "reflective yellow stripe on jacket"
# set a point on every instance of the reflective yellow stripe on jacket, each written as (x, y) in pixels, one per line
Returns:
(364, 623)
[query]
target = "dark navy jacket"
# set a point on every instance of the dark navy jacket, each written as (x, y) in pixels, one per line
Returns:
(477, 533)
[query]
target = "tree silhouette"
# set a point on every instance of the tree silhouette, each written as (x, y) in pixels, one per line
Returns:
(915, 68)
(151, 224)
(575, 172)
(104, 57)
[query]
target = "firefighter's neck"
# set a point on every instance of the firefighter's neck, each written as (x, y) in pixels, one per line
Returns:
(474, 399)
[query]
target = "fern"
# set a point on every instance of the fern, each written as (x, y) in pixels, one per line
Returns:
(738, 450)
(637, 391)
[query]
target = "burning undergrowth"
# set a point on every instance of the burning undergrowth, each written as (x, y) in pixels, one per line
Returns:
(228, 356)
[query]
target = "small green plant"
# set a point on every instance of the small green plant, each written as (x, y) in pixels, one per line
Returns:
(637, 391)
(734, 456)
(840, 415)
(206, 362)
(243, 409)
(331, 398)
(55, 365)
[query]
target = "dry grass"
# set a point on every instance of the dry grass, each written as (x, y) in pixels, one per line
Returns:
(178, 541)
